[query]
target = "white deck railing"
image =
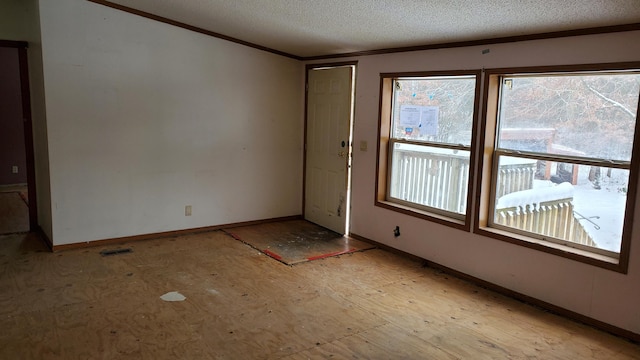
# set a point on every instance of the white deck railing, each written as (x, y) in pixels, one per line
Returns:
(545, 211)
(552, 218)
(440, 181)
(515, 177)
(430, 179)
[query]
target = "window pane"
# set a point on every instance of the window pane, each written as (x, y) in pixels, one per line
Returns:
(580, 115)
(437, 109)
(430, 176)
(576, 203)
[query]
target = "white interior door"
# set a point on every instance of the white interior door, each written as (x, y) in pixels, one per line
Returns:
(327, 146)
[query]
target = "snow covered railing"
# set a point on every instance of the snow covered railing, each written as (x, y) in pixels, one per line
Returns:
(544, 211)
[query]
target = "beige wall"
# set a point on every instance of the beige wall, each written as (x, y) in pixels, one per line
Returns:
(601, 294)
(145, 118)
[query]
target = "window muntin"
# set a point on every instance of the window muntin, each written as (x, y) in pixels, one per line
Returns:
(430, 143)
(562, 158)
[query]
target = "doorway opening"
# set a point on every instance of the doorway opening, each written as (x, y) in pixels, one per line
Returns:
(17, 167)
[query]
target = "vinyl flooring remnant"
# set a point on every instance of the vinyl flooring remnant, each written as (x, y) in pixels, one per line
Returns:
(240, 304)
(296, 241)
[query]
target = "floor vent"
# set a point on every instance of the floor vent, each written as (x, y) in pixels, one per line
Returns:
(115, 252)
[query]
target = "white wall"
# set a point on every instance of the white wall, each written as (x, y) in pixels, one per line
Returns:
(19, 21)
(145, 118)
(601, 294)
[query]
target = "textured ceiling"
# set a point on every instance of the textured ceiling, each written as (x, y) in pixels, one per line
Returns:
(307, 28)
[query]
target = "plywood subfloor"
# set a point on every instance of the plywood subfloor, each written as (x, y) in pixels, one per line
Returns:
(296, 241)
(14, 213)
(240, 304)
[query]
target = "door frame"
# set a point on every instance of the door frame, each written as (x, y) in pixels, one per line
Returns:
(28, 128)
(308, 68)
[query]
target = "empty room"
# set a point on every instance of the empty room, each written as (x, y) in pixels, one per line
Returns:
(206, 179)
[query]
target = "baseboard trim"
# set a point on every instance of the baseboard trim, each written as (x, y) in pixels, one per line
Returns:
(600, 325)
(127, 239)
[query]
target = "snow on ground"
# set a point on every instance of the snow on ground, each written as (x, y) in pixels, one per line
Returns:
(605, 208)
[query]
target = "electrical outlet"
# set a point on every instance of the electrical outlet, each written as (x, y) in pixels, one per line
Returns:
(14, 169)
(187, 210)
(396, 231)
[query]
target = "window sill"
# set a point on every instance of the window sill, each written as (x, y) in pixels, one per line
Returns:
(422, 214)
(584, 256)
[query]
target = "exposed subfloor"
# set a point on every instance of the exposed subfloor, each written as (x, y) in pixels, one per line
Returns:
(241, 304)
